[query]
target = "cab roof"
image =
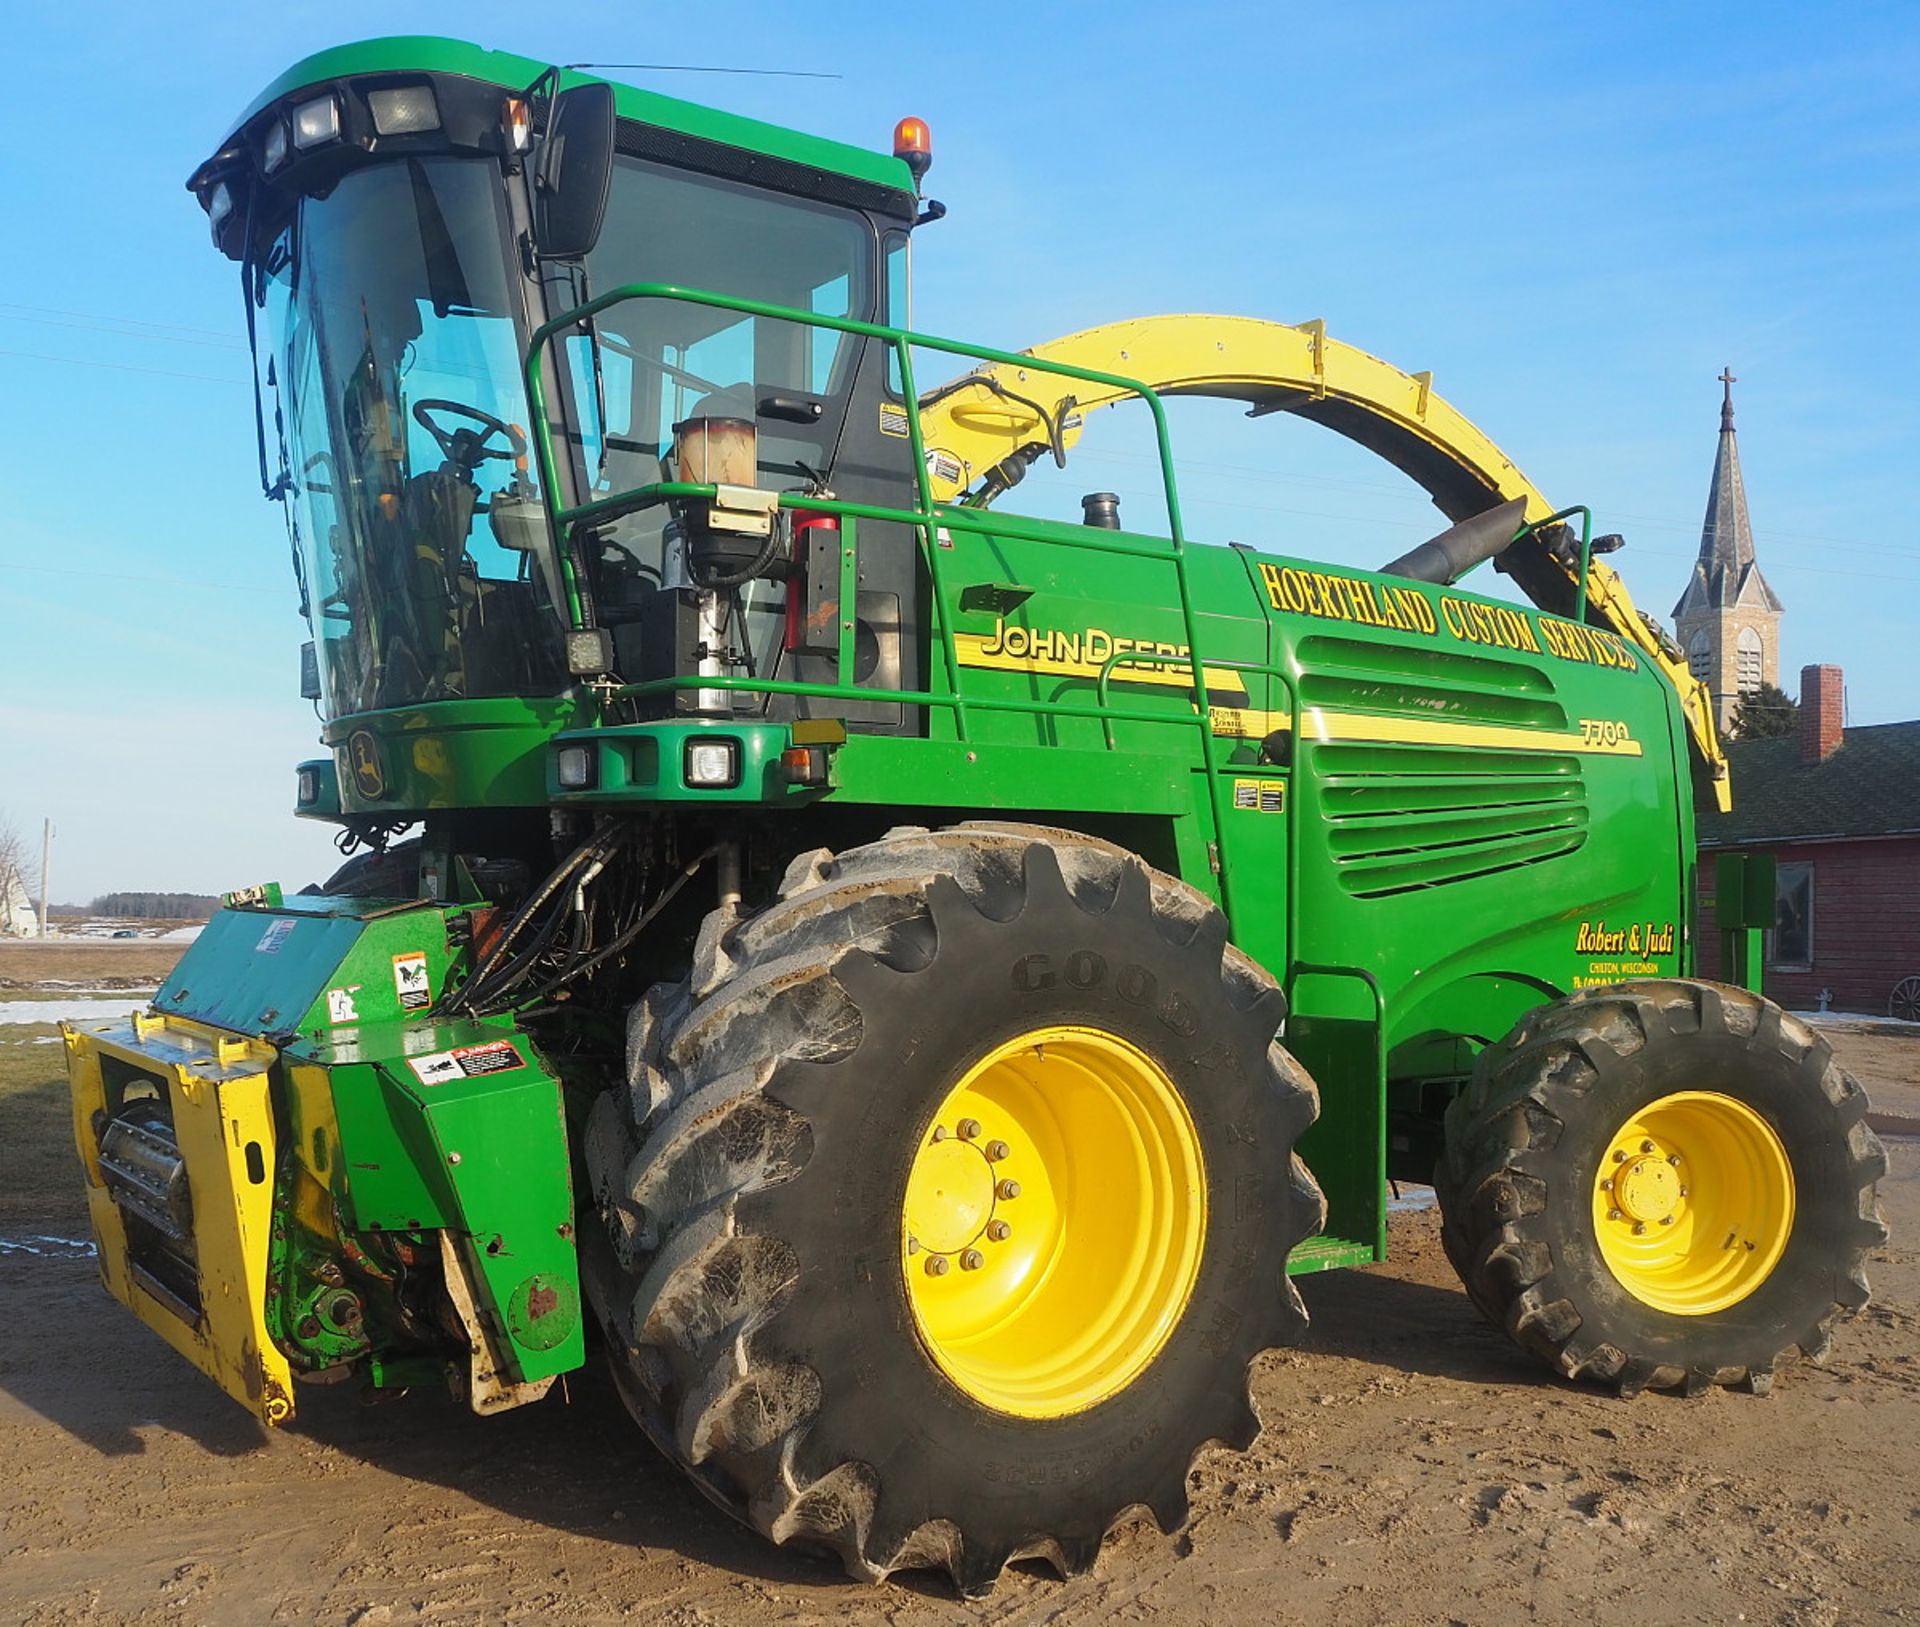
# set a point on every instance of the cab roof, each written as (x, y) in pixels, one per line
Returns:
(428, 54)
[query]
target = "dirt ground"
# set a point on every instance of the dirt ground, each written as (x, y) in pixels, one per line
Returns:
(93, 963)
(1414, 1467)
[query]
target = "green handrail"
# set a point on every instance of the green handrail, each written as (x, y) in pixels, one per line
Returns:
(929, 515)
(1586, 548)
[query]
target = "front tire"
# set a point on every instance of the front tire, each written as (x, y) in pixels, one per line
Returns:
(1662, 1184)
(1016, 1051)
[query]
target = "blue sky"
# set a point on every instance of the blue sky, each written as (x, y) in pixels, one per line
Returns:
(1574, 216)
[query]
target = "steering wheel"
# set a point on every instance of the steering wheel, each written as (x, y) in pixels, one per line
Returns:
(467, 447)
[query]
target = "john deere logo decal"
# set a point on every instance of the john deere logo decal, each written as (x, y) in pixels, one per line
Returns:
(363, 757)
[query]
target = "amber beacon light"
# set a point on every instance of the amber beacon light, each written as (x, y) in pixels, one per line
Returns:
(913, 141)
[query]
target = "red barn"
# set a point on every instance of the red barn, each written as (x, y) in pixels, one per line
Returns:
(1839, 809)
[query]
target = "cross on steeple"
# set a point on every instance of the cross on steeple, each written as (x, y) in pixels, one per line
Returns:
(1728, 380)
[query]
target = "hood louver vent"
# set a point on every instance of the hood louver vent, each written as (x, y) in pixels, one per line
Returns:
(1403, 817)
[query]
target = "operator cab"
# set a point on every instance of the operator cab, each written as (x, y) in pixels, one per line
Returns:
(402, 236)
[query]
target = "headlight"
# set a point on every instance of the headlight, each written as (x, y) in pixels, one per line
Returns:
(219, 207)
(306, 790)
(317, 122)
(713, 765)
(399, 110)
(575, 768)
(275, 150)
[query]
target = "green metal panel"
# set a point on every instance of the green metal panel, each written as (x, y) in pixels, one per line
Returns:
(1746, 901)
(421, 53)
(452, 754)
(457, 1125)
(1475, 784)
(647, 762)
(312, 964)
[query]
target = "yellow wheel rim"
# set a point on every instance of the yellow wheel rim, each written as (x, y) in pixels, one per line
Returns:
(1693, 1203)
(1053, 1222)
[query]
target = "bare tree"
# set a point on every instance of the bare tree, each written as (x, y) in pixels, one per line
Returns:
(17, 878)
(17, 855)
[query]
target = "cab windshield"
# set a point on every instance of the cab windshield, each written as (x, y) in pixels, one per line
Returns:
(391, 365)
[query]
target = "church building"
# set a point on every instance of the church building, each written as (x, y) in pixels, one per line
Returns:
(1728, 620)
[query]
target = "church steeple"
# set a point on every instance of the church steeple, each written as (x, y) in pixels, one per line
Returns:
(1728, 617)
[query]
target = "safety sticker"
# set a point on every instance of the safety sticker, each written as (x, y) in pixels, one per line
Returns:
(465, 1061)
(279, 929)
(411, 982)
(340, 1006)
(893, 419)
(944, 466)
(1260, 796)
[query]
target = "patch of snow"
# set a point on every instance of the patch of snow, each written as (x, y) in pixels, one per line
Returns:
(49, 1248)
(14, 1013)
(180, 934)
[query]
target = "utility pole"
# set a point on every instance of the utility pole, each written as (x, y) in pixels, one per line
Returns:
(46, 885)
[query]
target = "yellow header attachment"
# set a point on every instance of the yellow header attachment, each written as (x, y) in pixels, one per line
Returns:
(971, 427)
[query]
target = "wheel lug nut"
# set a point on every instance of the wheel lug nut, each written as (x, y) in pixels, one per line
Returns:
(913, 1245)
(999, 1230)
(1614, 1214)
(1639, 1228)
(1008, 1189)
(969, 1128)
(1666, 1220)
(936, 1265)
(997, 1150)
(939, 1132)
(972, 1260)
(1607, 1184)
(1683, 1191)
(1646, 1146)
(1673, 1158)
(1618, 1156)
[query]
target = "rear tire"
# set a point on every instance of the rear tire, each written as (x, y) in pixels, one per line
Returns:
(765, 1322)
(1663, 1184)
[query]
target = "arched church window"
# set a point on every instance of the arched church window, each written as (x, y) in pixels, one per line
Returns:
(1749, 655)
(1700, 656)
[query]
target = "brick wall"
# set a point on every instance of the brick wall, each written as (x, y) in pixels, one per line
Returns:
(1866, 922)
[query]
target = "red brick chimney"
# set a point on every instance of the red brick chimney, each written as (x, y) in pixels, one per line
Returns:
(1822, 712)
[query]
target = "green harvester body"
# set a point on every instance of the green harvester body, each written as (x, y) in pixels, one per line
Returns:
(1423, 810)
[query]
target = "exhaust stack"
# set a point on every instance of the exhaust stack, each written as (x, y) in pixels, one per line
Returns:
(1449, 556)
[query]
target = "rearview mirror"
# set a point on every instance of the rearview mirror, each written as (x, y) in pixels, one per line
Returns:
(572, 172)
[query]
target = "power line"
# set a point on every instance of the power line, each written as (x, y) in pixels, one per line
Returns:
(154, 581)
(129, 321)
(120, 367)
(80, 324)
(1684, 527)
(1193, 500)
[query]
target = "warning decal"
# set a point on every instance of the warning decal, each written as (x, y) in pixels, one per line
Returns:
(1260, 796)
(279, 929)
(465, 1061)
(410, 981)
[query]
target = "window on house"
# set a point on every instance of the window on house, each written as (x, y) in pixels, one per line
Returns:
(1790, 943)
(1749, 655)
(1700, 656)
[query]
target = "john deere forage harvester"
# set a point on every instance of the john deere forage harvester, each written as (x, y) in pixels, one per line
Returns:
(912, 982)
